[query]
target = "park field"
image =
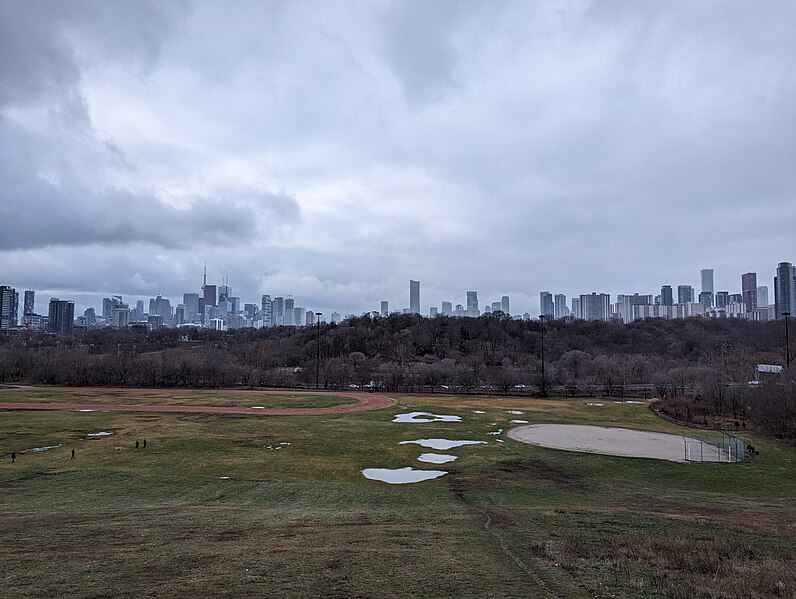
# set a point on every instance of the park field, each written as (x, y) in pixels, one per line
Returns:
(277, 506)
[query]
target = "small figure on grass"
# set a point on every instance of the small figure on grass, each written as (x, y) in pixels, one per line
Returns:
(144, 443)
(136, 443)
(73, 454)
(13, 456)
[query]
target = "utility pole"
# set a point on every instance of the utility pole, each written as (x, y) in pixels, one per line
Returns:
(318, 360)
(543, 386)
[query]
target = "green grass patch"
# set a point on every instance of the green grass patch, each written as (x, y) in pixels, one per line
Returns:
(302, 521)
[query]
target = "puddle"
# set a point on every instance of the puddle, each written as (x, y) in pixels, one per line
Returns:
(425, 417)
(519, 422)
(478, 412)
(257, 408)
(497, 432)
(630, 401)
(515, 412)
(591, 403)
(37, 449)
(87, 410)
(99, 434)
(442, 443)
(223, 478)
(400, 476)
(499, 440)
(284, 443)
(436, 458)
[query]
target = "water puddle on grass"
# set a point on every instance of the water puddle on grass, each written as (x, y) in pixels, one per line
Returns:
(87, 410)
(519, 422)
(223, 478)
(257, 408)
(442, 444)
(630, 401)
(594, 404)
(497, 432)
(99, 434)
(38, 449)
(478, 412)
(401, 476)
(515, 412)
(425, 417)
(436, 458)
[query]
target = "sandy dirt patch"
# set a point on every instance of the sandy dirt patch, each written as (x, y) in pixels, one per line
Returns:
(609, 441)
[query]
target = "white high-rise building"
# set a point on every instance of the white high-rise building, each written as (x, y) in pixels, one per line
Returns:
(414, 296)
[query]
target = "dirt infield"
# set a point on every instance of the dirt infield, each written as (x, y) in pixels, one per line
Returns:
(370, 401)
(608, 441)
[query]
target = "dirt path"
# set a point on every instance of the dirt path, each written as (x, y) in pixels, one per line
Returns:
(370, 401)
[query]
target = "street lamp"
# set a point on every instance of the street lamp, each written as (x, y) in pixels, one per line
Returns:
(318, 361)
(787, 340)
(543, 386)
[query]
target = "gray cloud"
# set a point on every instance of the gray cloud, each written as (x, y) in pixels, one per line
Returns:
(333, 152)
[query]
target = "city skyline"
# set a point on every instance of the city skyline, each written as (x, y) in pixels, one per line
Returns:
(277, 310)
(574, 147)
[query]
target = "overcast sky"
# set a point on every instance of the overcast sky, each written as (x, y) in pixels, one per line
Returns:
(334, 150)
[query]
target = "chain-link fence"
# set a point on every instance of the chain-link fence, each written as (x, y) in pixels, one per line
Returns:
(718, 447)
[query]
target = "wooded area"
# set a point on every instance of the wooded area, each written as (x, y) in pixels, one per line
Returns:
(701, 368)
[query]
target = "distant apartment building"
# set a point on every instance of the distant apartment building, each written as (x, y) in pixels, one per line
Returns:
(546, 305)
(685, 294)
(385, 308)
(414, 296)
(595, 306)
(560, 309)
(30, 303)
(785, 290)
(749, 291)
(447, 308)
(667, 297)
(61, 317)
(706, 299)
(722, 299)
(762, 296)
(706, 293)
(8, 307)
(472, 304)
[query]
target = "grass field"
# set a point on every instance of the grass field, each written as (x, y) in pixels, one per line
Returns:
(509, 520)
(181, 397)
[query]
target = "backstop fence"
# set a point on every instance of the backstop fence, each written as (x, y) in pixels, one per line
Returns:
(713, 447)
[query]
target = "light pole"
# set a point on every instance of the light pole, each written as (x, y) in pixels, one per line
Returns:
(318, 360)
(543, 386)
(787, 340)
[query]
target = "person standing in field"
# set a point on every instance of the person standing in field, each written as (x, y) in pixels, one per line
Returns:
(136, 443)
(73, 453)
(13, 456)
(144, 443)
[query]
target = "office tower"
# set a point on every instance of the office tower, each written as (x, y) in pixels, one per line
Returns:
(209, 295)
(414, 296)
(224, 291)
(120, 317)
(472, 300)
(560, 309)
(722, 299)
(266, 307)
(749, 291)
(91, 317)
(179, 315)
(667, 298)
(7, 302)
(706, 299)
(298, 316)
(191, 303)
(762, 296)
(685, 294)
(278, 311)
(160, 306)
(595, 306)
(496, 307)
(447, 308)
(30, 301)
(432, 312)
(15, 309)
(288, 314)
(546, 306)
(736, 298)
(707, 286)
(504, 305)
(385, 308)
(335, 317)
(785, 290)
(61, 317)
